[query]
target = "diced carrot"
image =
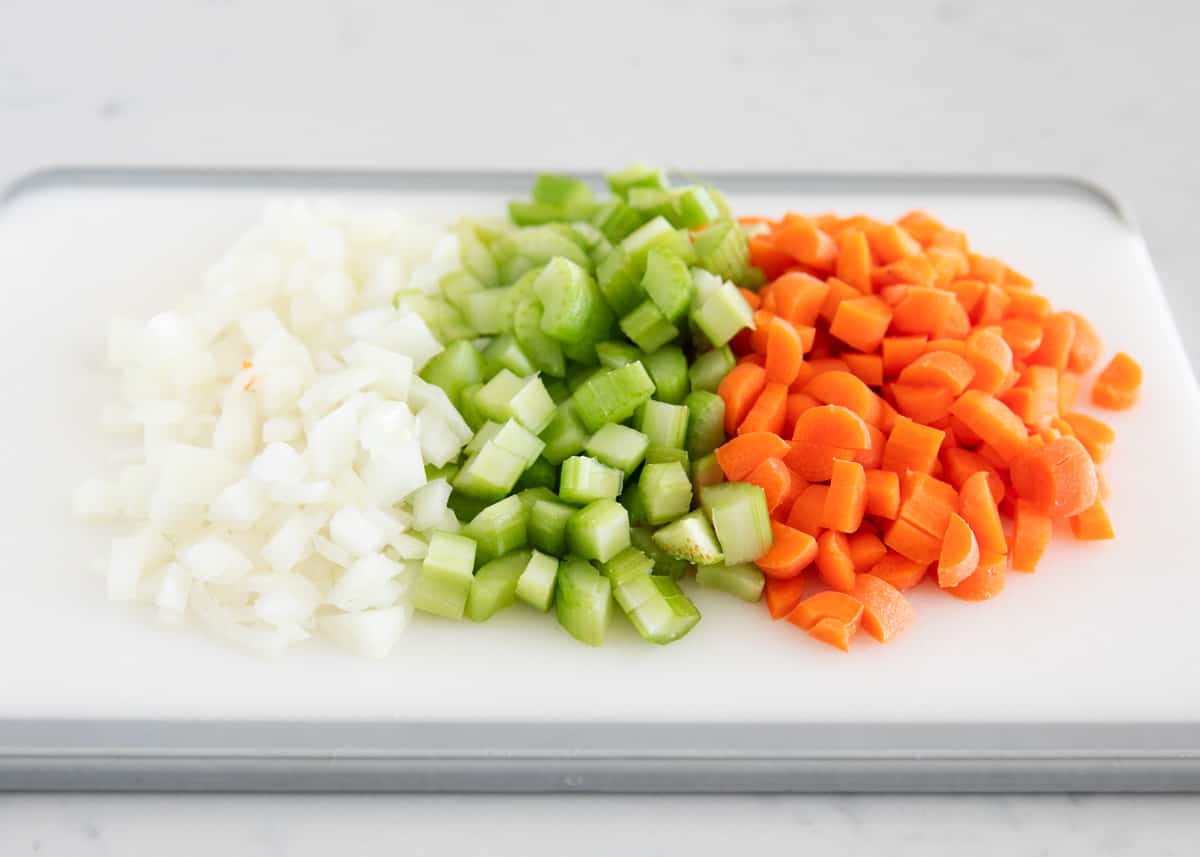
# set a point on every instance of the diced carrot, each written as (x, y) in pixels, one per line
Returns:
(921, 225)
(891, 243)
(751, 298)
(774, 478)
(1058, 480)
(986, 268)
(838, 292)
(768, 258)
(939, 369)
(1026, 303)
(832, 425)
(1092, 524)
(912, 542)
(991, 307)
(847, 390)
(739, 389)
(868, 368)
(834, 562)
(795, 489)
(923, 404)
(861, 322)
(792, 551)
(801, 239)
(1058, 334)
(783, 594)
(1097, 437)
(892, 295)
(807, 510)
(914, 270)
(950, 267)
(871, 457)
(1035, 398)
(986, 582)
(952, 239)
(923, 310)
(1085, 347)
(1023, 335)
(846, 501)
(900, 351)
(854, 259)
(768, 412)
(797, 403)
(885, 611)
(1031, 534)
(834, 632)
(927, 502)
(993, 422)
(866, 549)
(883, 493)
(1118, 384)
(957, 347)
(960, 464)
(762, 328)
(814, 461)
(979, 508)
(799, 297)
(960, 553)
(991, 357)
(957, 324)
(739, 456)
(911, 446)
(899, 571)
(1068, 392)
(831, 604)
(785, 351)
(1016, 278)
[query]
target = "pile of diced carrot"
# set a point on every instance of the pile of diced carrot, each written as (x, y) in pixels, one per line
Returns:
(900, 399)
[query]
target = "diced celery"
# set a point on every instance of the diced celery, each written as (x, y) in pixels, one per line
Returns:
(738, 511)
(457, 285)
(657, 234)
(614, 353)
(516, 267)
(583, 601)
(667, 368)
(544, 350)
(667, 455)
(565, 435)
(585, 479)
(535, 586)
(706, 422)
(647, 327)
(651, 202)
(668, 283)
(540, 244)
(540, 474)
(561, 191)
(446, 575)
(491, 311)
(476, 257)
(663, 424)
(599, 251)
(490, 473)
(599, 531)
(743, 580)
(525, 213)
(486, 432)
(618, 446)
(753, 280)
(709, 368)
(636, 175)
(723, 315)
(530, 496)
(503, 352)
(468, 406)
(581, 351)
(499, 528)
(493, 399)
(654, 604)
(495, 585)
(586, 235)
(695, 207)
(631, 499)
(620, 280)
(558, 390)
(548, 526)
(464, 506)
(722, 249)
(520, 441)
(570, 301)
(457, 366)
(629, 563)
(690, 538)
(577, 376)
(666, 492)
(612, 396)
(616, 219)
(706, 471)
(442, 317)
(642, 538)
(523, 399)
(706, 283)
(446, 471)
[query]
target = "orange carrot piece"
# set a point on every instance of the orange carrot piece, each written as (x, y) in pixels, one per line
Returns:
(1085, 347)
(801, 239)
(921, 225)
(792, 551)
(993, 422)
(939, 369)
(1058, 480)
(846, 501)
(768, 412)
(885, 611)
(987, 581)
(751, 298)
(866, 549)
(950, 266)
(832, 425)
(1023, 335)
(923, 309)
(1092, 524)
(847, 390)
(768, 258)
(957, 347)
(992, 306)
(739, 456)
(783, 594)
(1035, 398)
(774, 478)
(957, 324)
(1118, 384)
(758, 335)
(891, 243)
(785, 351)
(838, 293)
(831, 604)
(807, 510)
(834, 632)
(814, 461)
(739, 389)
(900, 351)
(871, 457)
(960, 554)
(1031, 534)
(795, 489)
(986, 268)
(1097, 437)
(911, 446)
(968, 292)
(960, 464)
(797, 403)
(912, 542)
(899, 571)
(914, 270)
(923, 404)
(1058, 334)
(980, 510)
(883, 493)
(1026, 303)
(861, 322)
(952, 239)
(991, 357)
(927, 502)
(854, 259)
(868, 368)
(834, 562)
(1068, 392)
(799, 297)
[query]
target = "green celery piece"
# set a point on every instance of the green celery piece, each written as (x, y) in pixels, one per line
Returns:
(490, 311)
(442, 317)
(446, 471)
(651, 202)
(709, 368)
(586, 235)
(668, 283)
(456, 286)
(612, 396)
(620, 280)
(631, 499)
(577, 376)
(558, 390)
(738, 511)
(599, 251)
(664, 424)
(628, 564)
(540, 474)
(585, 479)
(565, 435)
(706, 283)
(668, 370)
(537, 245)
(618, 446)
(495, 585)
(524, 399)
(636, 175)
(476, 258)
(706, 422)
(464, 506)
(489, 474)
(616, 219)
(614, 353)
(599, 531)
(754, 279)
(548, 526)
(581, 351)
(654, 604)
(486, 432)
(468, 406)
(722, 249)
(743, 580)
(517, 268)
(695, 207)
(667, 455)
(520, 441)
(499, 528)
(530, 496)
(535, 586)
(504, 352)
(656, 234)
(544, 350)
(524, 213)
(560, 190)
(690, 538)
(583, 601)
(642, 538)
(706, 471)
(648, 328)
(446, 575)
(723, 314)
(572, 306)
(457, 366)
(666, 492)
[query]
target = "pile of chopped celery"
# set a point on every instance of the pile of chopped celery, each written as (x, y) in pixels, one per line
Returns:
(585, 339)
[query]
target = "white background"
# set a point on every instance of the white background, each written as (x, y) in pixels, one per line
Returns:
(1107, 90)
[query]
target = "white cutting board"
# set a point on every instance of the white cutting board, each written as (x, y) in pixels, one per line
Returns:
(1102, 633)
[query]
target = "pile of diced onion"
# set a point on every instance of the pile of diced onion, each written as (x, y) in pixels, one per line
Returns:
(281, 435)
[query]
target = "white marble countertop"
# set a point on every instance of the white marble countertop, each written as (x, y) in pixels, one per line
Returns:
(1105, 91)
